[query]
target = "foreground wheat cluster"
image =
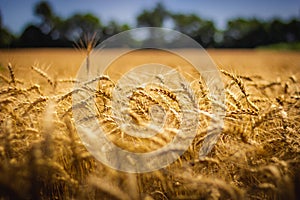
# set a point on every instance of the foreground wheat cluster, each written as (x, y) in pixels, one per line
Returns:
(256, 157)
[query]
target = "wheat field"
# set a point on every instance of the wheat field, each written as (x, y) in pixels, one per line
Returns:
(256, 157)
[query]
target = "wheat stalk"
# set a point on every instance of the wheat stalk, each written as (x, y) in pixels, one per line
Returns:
(12, 74)
(44, 75)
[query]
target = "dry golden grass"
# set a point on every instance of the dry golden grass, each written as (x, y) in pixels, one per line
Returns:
(256, 157)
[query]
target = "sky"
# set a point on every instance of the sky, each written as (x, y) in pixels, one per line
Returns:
(16, 14)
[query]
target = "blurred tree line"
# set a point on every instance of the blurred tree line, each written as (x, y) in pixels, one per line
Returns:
(54, 31)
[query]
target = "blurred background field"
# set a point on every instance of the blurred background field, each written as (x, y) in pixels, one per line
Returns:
(65, 62)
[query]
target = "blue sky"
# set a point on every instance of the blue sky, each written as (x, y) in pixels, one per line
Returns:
(17, 13)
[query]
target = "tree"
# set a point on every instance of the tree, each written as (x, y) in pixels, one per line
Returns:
(201, 30)
(153, 18)
(44, 11)
(276, 31)
(55, 31)
(113, 28)
(293, 30)
(34, 37)
(245, 33)
(6, 38)
(79, 26)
